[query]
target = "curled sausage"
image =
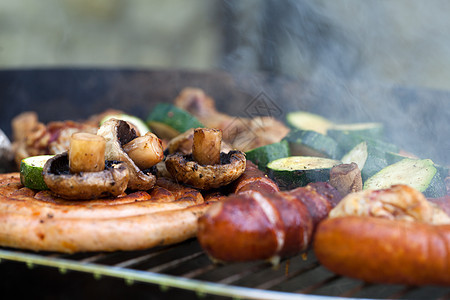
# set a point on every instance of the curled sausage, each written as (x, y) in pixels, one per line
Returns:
(109, 234)
(46, 204)
(43, 222)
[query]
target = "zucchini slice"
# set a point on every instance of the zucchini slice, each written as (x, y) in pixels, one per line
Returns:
(371, 130)
(167, 119)
(420, 174)
(393, 157)
(261, 156)
(370, 159)
(358, 155)
(308, 121)
(348, 139)
(295, 171)
(31, 172)
(312, 143)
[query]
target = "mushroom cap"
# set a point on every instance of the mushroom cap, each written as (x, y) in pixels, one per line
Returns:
(110, 182)
(117, 133)
(184, 169)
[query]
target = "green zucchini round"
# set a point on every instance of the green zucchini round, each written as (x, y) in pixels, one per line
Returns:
(311, 143)
(420, 174)
(308, 121)
(261, 156)
(296, 171)
(169, 118)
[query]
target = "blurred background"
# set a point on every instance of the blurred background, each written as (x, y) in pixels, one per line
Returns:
(349, 60)
(403, 41)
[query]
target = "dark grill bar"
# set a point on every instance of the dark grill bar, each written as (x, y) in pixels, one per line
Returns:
(187, 267)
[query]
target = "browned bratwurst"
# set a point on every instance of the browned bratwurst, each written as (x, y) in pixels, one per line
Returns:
(385, 251)
(392, 236)
(253, 179)
(255, 226)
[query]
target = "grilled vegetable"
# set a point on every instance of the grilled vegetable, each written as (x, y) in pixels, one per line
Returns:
(420, 174)
(146, 151)
(357, 154)
(370, 159)
(261, 156)
(118, 133)
(347, 140)
(135, 122)
(168, 121)
(86, 152)
(206, 146)
(186, 169)
(297, 171)
(110, 182)
(367, 130)
(393, 157)
(308, 121)
(311, 143)
(31, 172)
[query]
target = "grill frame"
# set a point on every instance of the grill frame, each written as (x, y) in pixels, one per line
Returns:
(165, 267)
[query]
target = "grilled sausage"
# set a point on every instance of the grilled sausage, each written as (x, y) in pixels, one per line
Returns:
(253, 179)
(254, 226)
(41, 221)
(107, 234)
(22, 203)
(392, 235)
(385, 251)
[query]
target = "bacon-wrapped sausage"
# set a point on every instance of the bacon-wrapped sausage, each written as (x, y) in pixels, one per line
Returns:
(255, 225)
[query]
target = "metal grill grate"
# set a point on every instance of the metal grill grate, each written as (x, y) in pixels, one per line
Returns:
(187, 267)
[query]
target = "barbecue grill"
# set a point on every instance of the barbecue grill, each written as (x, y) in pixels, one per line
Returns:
(184, 270)
(186, 267)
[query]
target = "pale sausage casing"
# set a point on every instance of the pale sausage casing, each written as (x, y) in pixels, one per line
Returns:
(42, 222)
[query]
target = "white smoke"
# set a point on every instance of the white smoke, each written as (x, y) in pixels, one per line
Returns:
(404, 42)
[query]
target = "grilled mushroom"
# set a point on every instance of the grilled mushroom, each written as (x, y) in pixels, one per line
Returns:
(110, 182)
(118, 133)
(206, 167)
(183, 143)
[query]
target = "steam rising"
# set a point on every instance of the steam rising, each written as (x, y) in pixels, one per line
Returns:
(358, 55)
(405, 42)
